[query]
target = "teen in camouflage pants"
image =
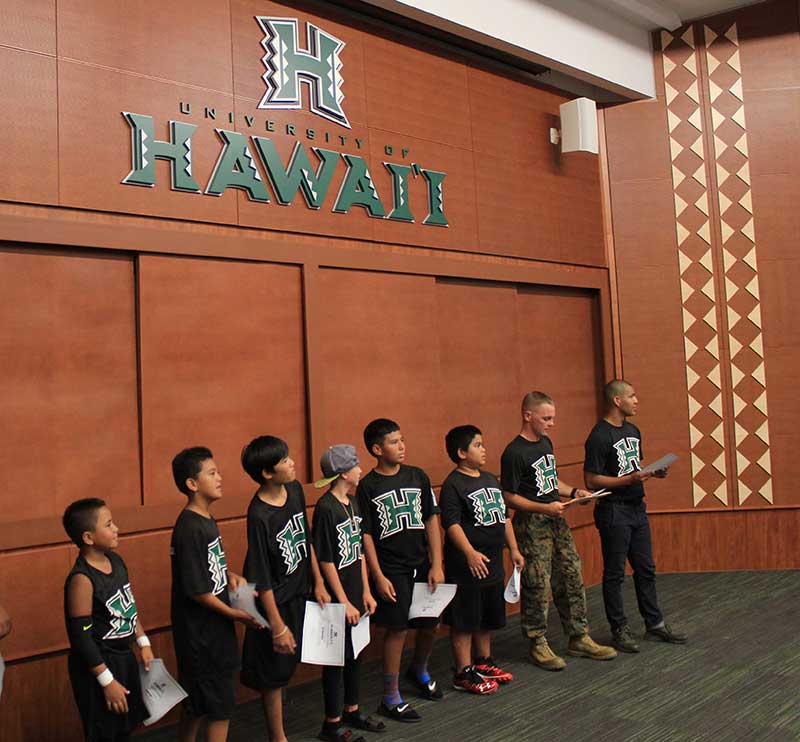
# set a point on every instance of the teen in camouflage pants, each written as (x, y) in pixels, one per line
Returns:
(551, 562)
(531, 487)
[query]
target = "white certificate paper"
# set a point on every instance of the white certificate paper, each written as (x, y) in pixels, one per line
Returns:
(244, 599)
(160, 691)
(2, 672)
(323, 634)
(425, 604)
(512, 587)
(359, 635)
(663, 463)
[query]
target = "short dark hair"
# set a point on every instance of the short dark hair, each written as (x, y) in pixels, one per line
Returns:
(458, 439)
(377, 430)
(614, 388)
(188, 464)
(81, 516)
(262, 454)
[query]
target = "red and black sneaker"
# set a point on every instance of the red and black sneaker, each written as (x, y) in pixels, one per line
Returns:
(469, 681)
(486, 668)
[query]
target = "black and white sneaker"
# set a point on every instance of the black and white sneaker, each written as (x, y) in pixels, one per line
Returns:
(401, 712)
(430, 690)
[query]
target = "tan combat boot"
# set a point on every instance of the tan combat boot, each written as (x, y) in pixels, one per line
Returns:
(585, 646)
(543, 656)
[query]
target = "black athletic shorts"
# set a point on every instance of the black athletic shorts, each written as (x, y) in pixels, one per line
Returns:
(262, 667)
(100, 724)
(210, 695)
(395, 615)
(477, 608)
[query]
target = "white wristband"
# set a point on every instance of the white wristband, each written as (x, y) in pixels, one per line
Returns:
(143, 641)
(105, 678)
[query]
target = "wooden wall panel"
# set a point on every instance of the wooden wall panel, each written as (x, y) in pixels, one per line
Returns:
(159, 40)
(222, 362)
(29, 25)
(559, 354)
(28, 120)
(32, 589)
(378, 345)
(68, 373)
(477, 337)
(418, 104)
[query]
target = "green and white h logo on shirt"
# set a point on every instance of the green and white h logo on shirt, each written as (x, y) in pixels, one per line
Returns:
(292, 542)
(627, 455)
(217, 566)
(488, 505)
(546, 474)
(396, 512)
(349, 532)
(122, 608)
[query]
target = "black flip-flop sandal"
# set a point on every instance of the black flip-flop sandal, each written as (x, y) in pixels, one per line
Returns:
(360, 720)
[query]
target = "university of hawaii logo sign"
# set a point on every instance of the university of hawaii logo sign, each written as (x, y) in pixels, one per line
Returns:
(296, 77)
(319, 64)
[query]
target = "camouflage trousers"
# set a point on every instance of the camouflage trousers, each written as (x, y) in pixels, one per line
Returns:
(551, 563)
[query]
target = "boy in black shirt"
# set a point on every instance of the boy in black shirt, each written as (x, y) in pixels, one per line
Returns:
(403, 545)
(102, 624)
(280, 561)
(613, 460)
(202, 616)
(338, 542)
(531, 487)
(474, 517)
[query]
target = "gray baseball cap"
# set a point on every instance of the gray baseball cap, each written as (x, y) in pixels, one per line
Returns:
(335, 461)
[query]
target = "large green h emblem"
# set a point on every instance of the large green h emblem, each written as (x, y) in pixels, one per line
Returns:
(399, 511)
(122, 608)
(546, 474)
(286, 63)
(349, 532)
(627, 455)
(217, 566)
(488, 506)
(292, 542)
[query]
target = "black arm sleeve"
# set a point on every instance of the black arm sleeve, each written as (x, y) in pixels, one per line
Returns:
(80, 639)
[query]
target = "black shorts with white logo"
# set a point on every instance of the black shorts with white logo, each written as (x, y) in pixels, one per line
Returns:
(477, 607)
(395, 615)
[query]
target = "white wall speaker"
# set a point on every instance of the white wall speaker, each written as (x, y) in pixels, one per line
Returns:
(579, 126)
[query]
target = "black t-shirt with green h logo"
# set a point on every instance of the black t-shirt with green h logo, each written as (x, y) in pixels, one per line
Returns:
(114, 617)
(616, 452)
(338, 540)
(205, 641)
(396, 509)
(528, 469)
(476, 504)
(278, 546)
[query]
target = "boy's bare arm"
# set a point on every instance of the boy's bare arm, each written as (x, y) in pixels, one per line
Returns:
(321, 594)
(351, 613)
(213, 603)
(383, 585)
(476, 561)
(518, 502)
(434, 533)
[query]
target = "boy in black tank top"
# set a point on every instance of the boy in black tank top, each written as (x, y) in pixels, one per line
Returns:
(102, 624)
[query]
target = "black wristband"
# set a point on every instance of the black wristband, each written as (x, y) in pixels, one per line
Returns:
(574, 493)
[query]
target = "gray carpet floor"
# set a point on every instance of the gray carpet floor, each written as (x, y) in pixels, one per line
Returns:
(738, 678)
